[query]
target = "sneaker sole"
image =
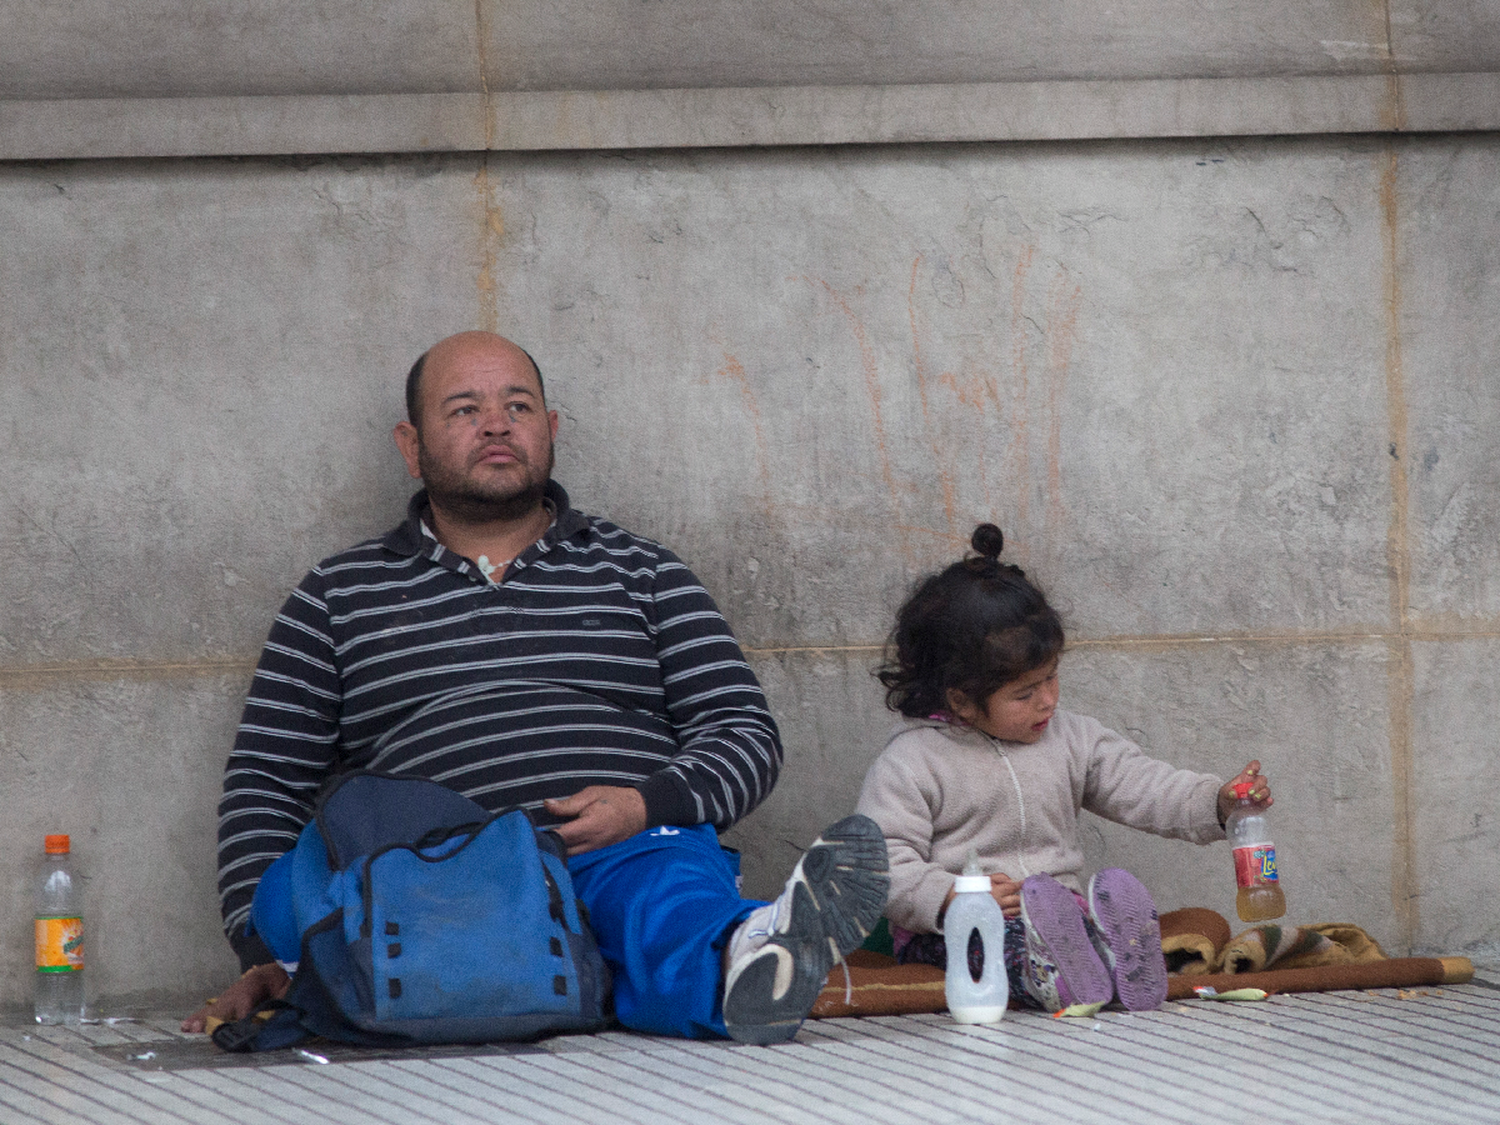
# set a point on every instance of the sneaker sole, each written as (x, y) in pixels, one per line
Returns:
(1126, 917)
(1050, 910)
(839, 889)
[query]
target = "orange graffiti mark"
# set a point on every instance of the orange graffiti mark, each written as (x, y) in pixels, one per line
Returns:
(971, 391)
(734, 371)
(916, 339)
(1062, 325)
(944, 472)
(949, 539)
(484, 281)
(872, 388)
(1018, 365)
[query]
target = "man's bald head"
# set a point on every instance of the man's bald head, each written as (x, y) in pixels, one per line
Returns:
(455, 343)
(481, 436)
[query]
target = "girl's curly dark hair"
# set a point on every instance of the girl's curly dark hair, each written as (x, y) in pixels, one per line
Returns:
(971, 628)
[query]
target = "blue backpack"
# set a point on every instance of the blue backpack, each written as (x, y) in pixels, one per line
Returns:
(426, 919)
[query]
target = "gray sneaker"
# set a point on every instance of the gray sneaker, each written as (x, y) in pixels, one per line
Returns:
(781, 954)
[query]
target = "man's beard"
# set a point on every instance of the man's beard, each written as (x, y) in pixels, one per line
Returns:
(471, 502)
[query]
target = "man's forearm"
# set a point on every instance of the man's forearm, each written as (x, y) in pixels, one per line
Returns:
(730, 752)
(283, 751)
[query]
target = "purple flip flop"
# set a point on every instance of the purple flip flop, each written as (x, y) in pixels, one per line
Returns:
(1062, 964)
(1125, 916)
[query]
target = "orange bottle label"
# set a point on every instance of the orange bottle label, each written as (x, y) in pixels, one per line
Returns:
(59, 944)
(1255, 866)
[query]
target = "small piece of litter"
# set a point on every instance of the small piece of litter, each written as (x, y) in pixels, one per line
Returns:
(110, 1021)
(1209, 992)
(147, 1057)
(1079, 1011)
(310, 1057)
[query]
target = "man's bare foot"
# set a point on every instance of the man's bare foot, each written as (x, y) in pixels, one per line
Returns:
(244, 996)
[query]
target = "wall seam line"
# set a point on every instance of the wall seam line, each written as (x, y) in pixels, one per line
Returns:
(1401, 688)
(494, 223)
(1396, 115)
(145, 669)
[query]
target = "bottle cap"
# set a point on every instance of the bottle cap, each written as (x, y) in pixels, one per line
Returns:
(1242, 789)
(973, 879)
(57, 845)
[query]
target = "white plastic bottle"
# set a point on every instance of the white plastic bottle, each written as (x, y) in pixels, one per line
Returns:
(59, 937)
(974, 909)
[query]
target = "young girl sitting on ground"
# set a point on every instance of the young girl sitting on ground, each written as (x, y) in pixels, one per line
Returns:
(986, 760)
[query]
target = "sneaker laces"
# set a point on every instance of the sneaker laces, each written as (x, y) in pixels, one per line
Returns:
(770, 928)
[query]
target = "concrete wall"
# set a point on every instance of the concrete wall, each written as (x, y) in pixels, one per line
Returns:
(1232, 398)
(176, 48)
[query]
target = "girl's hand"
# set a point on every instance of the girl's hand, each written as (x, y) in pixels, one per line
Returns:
(1007, 893)
(1260, 791)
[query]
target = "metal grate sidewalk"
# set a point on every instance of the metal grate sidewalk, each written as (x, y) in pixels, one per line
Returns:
(1429, 1054)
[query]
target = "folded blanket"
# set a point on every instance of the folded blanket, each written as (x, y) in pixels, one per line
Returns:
(1196, 941)
(1193, 940)
(1298, 947)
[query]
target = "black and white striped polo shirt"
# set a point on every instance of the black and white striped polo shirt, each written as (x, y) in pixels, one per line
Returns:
(599, 660)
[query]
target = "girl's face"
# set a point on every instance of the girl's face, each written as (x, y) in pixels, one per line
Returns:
(1017, 712)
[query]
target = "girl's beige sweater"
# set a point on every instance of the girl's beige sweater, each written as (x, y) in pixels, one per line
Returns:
(939, 789)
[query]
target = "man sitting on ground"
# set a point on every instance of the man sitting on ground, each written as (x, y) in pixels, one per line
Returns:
(522, 653)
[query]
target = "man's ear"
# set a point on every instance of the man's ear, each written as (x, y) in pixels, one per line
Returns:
(410, 445)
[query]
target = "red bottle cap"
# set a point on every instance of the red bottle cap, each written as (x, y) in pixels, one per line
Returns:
(1242, 789)
(57, 845)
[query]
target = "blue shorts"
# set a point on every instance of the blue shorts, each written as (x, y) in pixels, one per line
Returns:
(663, 904)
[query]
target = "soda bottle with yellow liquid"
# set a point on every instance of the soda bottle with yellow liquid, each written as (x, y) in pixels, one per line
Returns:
(59, 937)
(1260, 897)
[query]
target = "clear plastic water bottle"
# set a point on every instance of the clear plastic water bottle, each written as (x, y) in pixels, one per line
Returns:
(59, 937)
(974, 910)
(1260, 896)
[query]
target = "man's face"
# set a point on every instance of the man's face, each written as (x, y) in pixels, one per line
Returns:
(483, 445)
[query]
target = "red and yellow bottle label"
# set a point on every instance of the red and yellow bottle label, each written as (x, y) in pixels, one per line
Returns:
(1255, 866)
(59, 944)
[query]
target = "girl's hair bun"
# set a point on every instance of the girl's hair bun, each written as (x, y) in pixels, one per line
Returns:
(987, 540)
(972, 628)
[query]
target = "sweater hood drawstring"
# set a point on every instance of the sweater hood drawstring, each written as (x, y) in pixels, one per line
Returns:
(1020, 803)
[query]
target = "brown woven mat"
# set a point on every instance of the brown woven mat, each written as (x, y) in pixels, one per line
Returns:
(880, 987)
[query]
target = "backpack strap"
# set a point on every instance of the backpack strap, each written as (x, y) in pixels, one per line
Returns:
(276, 1024)
(366, 810)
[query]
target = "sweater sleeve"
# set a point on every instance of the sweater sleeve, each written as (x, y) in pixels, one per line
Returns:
(1125, 785)
(283, 751)
(729, 752)
(904, 807)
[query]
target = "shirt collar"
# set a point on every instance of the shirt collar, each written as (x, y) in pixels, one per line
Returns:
(414, 536)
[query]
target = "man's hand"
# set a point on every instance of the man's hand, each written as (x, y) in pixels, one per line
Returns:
(1260, 791)
(244, 996)
(599, 816)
